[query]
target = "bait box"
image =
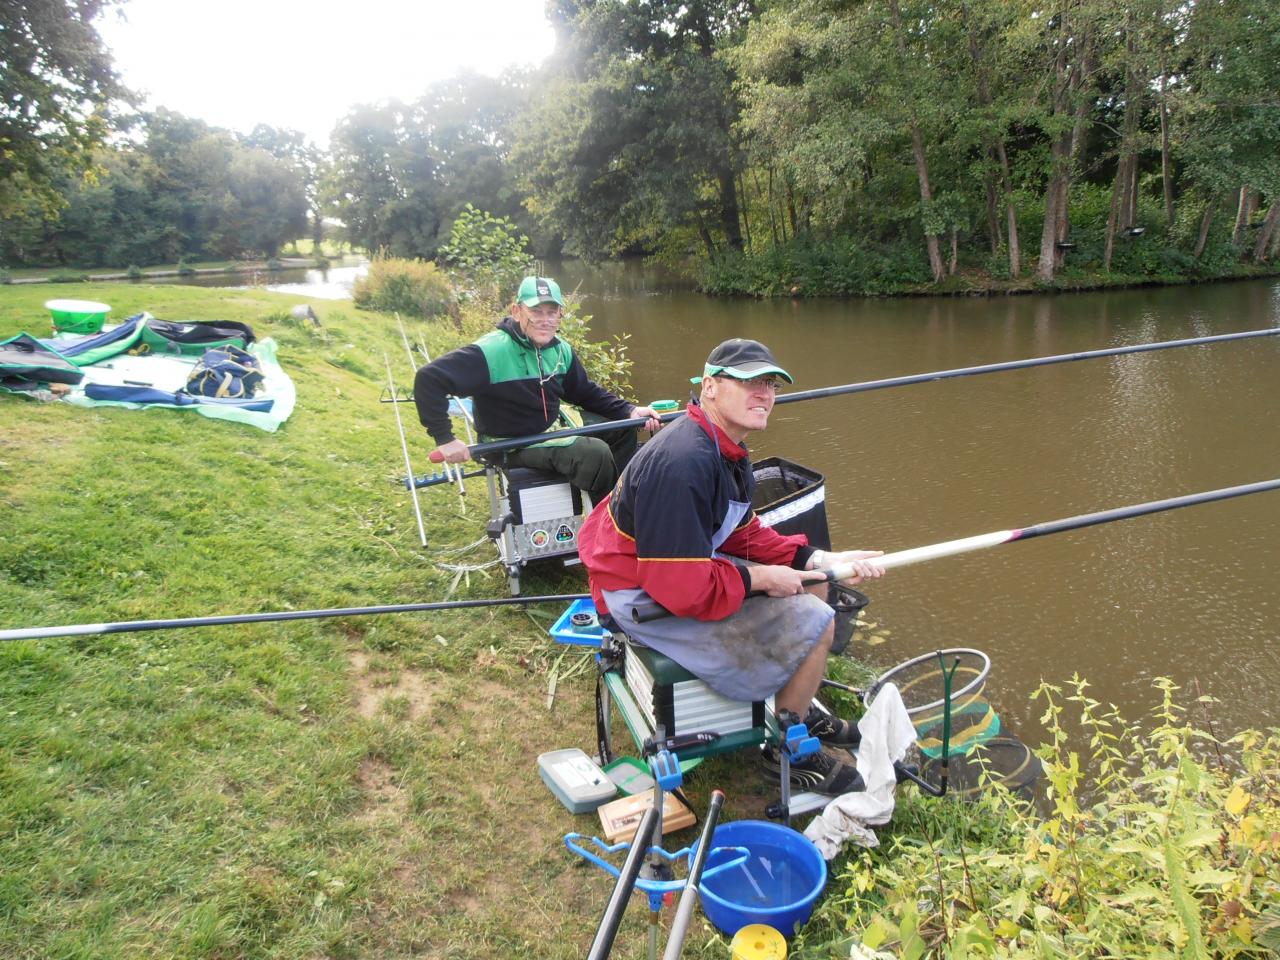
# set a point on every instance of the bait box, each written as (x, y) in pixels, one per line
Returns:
(575, 779)
(631, 775)
(565, 630)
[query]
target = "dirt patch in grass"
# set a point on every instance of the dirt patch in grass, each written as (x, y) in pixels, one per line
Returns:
(372, 688)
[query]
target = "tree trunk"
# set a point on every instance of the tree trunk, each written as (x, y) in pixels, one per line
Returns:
(1244, 212)
(729, 221)
(993, 209)
(1166, 175)
(791, 209)
(746, 220)
(1015, 251)
(1268, 228)
(1205, 221)
(926, 200)
(1113, 213)
(1059, 160)
(917, 148)
(955, 252)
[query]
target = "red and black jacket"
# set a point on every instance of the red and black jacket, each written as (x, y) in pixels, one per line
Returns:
(654, 531)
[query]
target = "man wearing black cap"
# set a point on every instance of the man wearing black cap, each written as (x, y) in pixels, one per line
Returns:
(517, 375)
(678, 529)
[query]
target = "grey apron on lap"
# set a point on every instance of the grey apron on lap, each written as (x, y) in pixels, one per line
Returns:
(750, 654)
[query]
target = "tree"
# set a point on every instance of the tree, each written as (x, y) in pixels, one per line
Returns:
(402, 173)
(634, 140)
(56, 87)
(304, 158)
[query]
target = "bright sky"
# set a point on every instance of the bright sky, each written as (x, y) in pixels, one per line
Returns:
(300, 64)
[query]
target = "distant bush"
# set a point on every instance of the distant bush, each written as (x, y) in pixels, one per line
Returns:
(134, 272)
(69, 278)
(274, 264)
(320, 262)
(5, 276)
(185, 269)
(395, 285)
(841, 266)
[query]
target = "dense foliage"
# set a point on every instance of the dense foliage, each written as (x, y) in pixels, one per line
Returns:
(56, 85)
(802, 147)
(1156, 843)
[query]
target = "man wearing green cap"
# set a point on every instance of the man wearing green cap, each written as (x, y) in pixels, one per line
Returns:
(517, 375)
(747, 614)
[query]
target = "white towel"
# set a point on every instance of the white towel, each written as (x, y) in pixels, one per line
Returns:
(886, 734)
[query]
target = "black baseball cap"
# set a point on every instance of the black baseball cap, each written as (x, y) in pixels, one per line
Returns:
(742, 360)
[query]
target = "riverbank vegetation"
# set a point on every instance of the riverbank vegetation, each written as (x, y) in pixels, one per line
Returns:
(810, 148)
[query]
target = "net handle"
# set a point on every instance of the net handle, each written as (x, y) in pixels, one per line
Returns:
(969, 687)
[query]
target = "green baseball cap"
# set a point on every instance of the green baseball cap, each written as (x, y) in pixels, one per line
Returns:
(536, 290)
(742, 360)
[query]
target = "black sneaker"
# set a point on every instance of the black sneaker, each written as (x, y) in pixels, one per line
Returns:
(817, 773)
(831, 729)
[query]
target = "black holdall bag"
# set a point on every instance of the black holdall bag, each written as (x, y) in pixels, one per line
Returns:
(226, 373)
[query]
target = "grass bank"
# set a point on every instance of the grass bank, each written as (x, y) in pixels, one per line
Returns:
(361, 787)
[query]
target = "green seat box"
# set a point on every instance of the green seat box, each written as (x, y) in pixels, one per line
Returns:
(668, 694)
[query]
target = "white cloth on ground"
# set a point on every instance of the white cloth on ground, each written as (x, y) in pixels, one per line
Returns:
(886, 734)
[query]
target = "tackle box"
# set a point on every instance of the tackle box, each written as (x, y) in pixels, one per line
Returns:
(575, 779)
(579, 625)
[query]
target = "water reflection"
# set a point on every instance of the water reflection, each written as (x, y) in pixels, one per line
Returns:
(335, 283)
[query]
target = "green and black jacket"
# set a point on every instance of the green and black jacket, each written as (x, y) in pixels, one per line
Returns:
(516, 387)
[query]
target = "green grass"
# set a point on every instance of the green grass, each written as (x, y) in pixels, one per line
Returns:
(360, 787)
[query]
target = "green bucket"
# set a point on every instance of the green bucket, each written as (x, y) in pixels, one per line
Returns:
(77, 316)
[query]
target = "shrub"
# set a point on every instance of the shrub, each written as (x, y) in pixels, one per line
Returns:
(273, 264)
(5, 276)
(69, 278)
(1154, 844)
(489, 255)
(185, 269)
(395, 285)
(134, 272)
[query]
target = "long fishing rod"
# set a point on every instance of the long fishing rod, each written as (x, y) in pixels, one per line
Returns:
(497, 446)
(651, 610)
(135, 626)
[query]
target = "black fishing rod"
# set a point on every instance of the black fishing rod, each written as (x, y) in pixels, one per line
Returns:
(607, 931)
(135, 626)
(651, 610)
(497, 446)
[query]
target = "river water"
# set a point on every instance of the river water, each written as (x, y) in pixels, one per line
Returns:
(1189, 594)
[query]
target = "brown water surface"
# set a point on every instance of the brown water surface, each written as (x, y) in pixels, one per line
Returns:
(1189, 594)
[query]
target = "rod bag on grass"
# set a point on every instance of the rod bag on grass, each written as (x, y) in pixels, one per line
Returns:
(192, 339)
(25, 361)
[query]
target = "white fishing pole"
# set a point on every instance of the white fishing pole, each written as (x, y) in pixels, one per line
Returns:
(453, 473)
(404, 445)
(949, 548)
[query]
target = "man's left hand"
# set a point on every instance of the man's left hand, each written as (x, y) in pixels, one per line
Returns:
(652, 423)
(861, 561)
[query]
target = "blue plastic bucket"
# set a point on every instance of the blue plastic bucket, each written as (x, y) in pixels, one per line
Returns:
(777, 885)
